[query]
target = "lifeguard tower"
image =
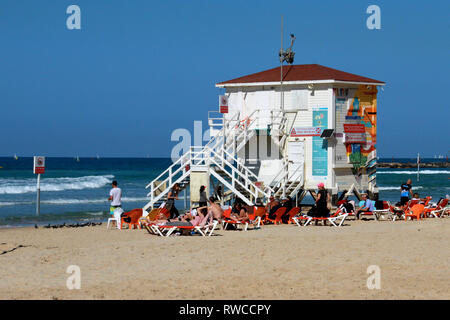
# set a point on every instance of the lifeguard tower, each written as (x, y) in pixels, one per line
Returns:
(285, 129)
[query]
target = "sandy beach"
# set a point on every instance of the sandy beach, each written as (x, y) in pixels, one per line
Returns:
(276, 262)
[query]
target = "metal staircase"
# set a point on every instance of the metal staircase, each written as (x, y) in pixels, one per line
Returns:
(219, 157)
(278, 127)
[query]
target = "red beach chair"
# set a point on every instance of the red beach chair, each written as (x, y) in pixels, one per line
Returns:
(280, 211)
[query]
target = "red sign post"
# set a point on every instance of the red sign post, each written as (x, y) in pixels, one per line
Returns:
(38, 168)
(39, 165)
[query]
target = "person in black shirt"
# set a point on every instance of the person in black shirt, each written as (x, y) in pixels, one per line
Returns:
(272, 207)
(170, 203)
(286, 203)
(203, 199)
(406, 191)
(321, 203)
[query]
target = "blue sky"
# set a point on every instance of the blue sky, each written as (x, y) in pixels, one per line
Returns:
(137, 70)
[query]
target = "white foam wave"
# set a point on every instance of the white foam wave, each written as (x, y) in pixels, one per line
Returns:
(4, 204)
(415, 172)
(80, 201)
(63, 201)
(397, 188)
(19, 186)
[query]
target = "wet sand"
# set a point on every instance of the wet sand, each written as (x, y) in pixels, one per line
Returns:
(276, 262)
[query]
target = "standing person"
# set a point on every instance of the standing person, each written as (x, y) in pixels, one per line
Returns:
(322, 203)
(170, 203)
(203, 199)
(115, 196)
(406, 191)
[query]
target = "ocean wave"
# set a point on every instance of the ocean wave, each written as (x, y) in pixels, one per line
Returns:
(20, 186)
(397, 188)
(63, 201)
(415, 172)
(4, 204)
(80, 201)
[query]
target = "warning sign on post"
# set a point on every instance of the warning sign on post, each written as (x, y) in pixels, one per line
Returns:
(38, 165)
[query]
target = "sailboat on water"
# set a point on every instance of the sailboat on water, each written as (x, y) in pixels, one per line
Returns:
(78, 159)
(16, 157)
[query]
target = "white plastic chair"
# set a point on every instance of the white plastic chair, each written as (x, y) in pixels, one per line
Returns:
(113, 219)
(117, 218)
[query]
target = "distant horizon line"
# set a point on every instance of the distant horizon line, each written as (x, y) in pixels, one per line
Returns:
(159, 157)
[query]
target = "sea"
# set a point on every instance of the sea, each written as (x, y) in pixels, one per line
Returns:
(77, 191)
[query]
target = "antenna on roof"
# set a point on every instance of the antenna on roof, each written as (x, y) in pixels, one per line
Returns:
(285, 55)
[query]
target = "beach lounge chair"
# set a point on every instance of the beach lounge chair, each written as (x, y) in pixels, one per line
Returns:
(437, 211)
(415, 212)
(166, 231)
(340, 215)
(253, 219)
(280, 211)
(163, 230)
(292, 213)
(385, 212)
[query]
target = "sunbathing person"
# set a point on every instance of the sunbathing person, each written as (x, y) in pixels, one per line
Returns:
(202, 218)
(239, 213)
(215, 209)
(417, 198)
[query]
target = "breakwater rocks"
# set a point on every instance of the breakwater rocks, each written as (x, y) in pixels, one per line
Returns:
(413, 165)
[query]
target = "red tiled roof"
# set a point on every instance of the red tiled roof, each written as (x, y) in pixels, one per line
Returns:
(303, 72)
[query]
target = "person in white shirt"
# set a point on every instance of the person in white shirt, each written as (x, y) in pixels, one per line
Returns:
(115, 196)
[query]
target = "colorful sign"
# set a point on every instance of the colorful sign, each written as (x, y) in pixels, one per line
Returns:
(362, 111)
(306, 132)
(223, 104)
(355, 137)
(38, 164)
(354, 128)
(319, 145)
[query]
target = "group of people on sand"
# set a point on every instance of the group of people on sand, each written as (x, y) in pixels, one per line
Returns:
(199, 216)
(209, 210)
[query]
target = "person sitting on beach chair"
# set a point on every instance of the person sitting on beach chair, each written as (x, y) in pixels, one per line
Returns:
(272, 207)
(365, 205)
(202, 218)
(215, 209)
(239, 213)
(420, 200)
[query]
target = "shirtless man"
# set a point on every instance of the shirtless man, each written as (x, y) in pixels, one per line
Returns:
(215, 209)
